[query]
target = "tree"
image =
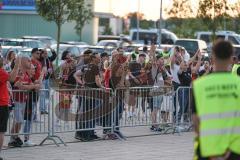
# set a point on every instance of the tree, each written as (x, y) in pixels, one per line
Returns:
(107, 30)
(81, 14)
(57, 11)
(180, 9)
(213, 12)
(134, 18)
(178, 13)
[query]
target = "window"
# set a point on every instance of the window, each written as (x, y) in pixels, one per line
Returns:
(220, 37)
(206, 38)
(233, 40)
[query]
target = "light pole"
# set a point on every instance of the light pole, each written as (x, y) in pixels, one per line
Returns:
(160, 26)
(138, 20)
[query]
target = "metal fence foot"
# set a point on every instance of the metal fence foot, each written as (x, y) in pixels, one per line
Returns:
(49, 138)
(119, 135)
(52, 139)
(62, 142)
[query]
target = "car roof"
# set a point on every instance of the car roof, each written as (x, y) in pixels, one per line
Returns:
(36, 37)
(188, 39)
(22, 40)
(109, 40)
(64, 45)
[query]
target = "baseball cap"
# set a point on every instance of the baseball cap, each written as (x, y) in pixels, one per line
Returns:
(34, 50)
(104, 54)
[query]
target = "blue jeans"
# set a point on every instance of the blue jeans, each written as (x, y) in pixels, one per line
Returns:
(44, 95)
(183, 100)
(28, 121)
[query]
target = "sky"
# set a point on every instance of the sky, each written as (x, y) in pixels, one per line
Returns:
(150, 8)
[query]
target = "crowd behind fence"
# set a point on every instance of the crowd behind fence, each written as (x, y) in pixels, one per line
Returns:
(101, 92)
(85, 110)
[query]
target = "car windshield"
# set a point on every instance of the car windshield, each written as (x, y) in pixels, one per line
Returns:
(238, 38)
(107, 43)
(190, 46)
(25, 53)
(12, 43)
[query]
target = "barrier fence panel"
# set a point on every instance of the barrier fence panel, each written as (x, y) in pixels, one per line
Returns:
(28, 113)
(144, 106)
(183, 110)
(83, 111)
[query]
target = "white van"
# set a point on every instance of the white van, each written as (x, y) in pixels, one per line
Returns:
(151, 35)
(226, 35)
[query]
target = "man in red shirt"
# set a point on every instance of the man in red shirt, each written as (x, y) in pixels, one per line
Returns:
(22, 82)
(37, 64)
(4, 97)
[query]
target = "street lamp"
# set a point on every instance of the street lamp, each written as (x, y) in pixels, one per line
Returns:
(160, 26)
(138, 20)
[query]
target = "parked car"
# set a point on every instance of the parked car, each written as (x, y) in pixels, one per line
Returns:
(46, 40)
(151, 35)
(74, 43)
(236, 50)
(24, 43)
(7, 49)
(226, 35)
(73, 49)
(101, 49)
(112, 43)
(111, 37)
(27, 52)
(192, 45)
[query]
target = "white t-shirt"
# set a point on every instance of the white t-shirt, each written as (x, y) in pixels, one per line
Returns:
(186, 57)
(174, 71)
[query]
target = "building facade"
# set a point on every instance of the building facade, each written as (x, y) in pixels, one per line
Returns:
(19, 18)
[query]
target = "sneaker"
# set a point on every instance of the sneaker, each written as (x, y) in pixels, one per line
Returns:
(94, 137)
(83, 138)
(44, 112)
(14, 144)
(112, 137)
(19, 141)
(28, 144)
(158, 129)
(152, 128)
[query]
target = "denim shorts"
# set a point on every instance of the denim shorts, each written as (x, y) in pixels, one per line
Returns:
(19, 110)
(157, 101)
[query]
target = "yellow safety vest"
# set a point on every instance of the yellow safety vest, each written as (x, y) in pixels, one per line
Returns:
(235, 68)
(217, 98)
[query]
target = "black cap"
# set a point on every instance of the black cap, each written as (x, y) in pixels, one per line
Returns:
(88, 52)
(104, 54)
(34, 50)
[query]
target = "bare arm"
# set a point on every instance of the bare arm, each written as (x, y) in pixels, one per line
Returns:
(15, 70)
(195, 69)
(98, 81)
(196, 123)
(77, 77)
(27, 87)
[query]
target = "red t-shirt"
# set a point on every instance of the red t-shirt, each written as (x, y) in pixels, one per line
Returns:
(4, 96)
(38, 69)
(21, 96)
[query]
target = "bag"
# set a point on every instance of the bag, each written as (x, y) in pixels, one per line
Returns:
(65, 100)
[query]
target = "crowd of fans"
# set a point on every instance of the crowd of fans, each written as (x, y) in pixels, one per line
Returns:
(147, 68)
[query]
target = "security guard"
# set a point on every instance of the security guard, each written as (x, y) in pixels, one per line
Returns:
(216, 107)
(236, 67)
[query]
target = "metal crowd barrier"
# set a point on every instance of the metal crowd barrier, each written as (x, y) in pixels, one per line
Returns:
(81, 110)
(145, 106)
(25, 113)
(183, 110)
(86, 110)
